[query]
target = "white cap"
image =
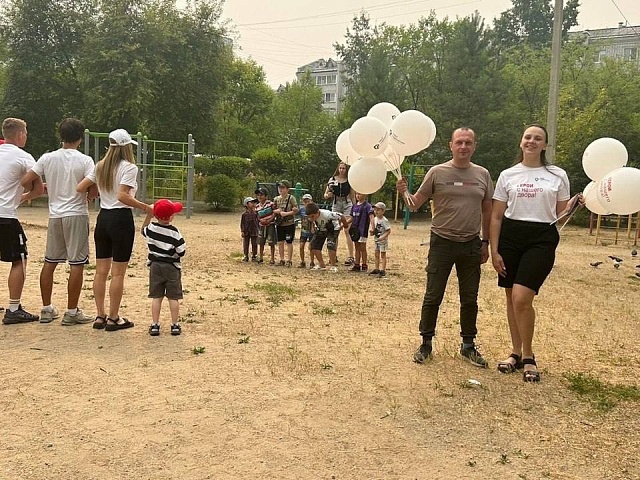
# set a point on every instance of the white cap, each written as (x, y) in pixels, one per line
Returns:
(380, 205)
(307, 195)
(247, 200)
(121, 137)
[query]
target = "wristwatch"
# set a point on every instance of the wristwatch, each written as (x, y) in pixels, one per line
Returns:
(484, 240)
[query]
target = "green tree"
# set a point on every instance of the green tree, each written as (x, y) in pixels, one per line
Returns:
(188, 60)
(118, 87)
(243, 114)
(268, 163)
(44, 39)
(531, 22)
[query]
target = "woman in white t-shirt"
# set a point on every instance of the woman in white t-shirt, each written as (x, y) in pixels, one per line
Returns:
(116, 178)
(528, 199)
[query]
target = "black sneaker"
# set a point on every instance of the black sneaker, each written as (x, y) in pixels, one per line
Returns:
(19, 316)
(382, 274)
(421, 355)
(245, 259)
(154, 329)
(375, 271)
(473, 356)
(176, 329)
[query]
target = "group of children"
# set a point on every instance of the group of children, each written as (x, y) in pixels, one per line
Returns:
(273, 222)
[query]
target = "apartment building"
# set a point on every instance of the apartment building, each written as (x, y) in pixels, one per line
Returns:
(621, 42)
(329, 75)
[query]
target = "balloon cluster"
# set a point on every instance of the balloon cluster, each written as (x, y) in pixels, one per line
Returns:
(378, 143)
(615, 188)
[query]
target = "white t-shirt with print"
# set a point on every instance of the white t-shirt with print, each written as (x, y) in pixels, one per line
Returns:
(63, 170)
(327, 216)
(380, 226)
(14, 164)
(126, 174)
(532, 193)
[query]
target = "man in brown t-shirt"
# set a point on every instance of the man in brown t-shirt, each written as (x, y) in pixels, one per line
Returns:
(461, 192)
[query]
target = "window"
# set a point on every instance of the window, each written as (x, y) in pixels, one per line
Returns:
(631, 53)
(326, 79)
(600, 56)
(328, 98)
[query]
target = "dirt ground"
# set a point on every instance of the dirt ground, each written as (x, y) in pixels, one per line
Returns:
(316, 380)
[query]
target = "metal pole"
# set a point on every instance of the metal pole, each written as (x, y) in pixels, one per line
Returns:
(190, 152)
(554, 81)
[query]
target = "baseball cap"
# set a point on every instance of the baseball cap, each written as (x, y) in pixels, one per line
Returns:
(307, 196)
(163, 209)
(247, 200)
(380, 205)
(121, 137)
(262, 191)
(284, 183)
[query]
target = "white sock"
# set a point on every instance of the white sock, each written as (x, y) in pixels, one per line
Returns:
(14, 305)
(48, 308)
(72, 311)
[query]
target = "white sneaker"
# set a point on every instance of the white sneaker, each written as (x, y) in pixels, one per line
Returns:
(333, 269)
(318, 268)
(48, 315)
(77, 319)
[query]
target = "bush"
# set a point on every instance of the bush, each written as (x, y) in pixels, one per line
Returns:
(236, 168)
(222, 191)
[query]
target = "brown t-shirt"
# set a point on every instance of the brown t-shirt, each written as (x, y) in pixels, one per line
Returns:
(457, 195)
(286, 204)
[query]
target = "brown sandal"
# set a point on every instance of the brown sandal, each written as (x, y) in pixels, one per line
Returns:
(100, 322)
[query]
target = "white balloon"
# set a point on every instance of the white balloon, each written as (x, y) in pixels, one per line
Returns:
(367, 175)
(368, 136)
(345, 151)
(602, 156)
(619, 191)
(411, 132)
(433, 132)
(385, 112)
(590, 193)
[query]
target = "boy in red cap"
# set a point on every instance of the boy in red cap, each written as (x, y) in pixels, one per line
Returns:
(166, 247)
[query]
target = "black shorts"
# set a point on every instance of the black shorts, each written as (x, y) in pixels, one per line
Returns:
(317, 242)
(528, 250)
(13, 241)
(286, 233)
(114, 234)
(165, 280)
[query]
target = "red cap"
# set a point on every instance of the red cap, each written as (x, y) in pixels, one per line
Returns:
(163, 209)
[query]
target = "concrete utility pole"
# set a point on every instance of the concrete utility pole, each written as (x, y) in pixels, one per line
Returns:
(554, 81)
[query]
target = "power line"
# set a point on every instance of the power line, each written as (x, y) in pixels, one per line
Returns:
(387, 16)
(625, 18)
(333, 14)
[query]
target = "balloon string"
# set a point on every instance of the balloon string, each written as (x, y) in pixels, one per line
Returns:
(397, 171)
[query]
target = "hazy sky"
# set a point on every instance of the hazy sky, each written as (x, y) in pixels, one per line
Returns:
(282, 35)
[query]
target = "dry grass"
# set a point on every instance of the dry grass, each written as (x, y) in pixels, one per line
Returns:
(310, 374)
